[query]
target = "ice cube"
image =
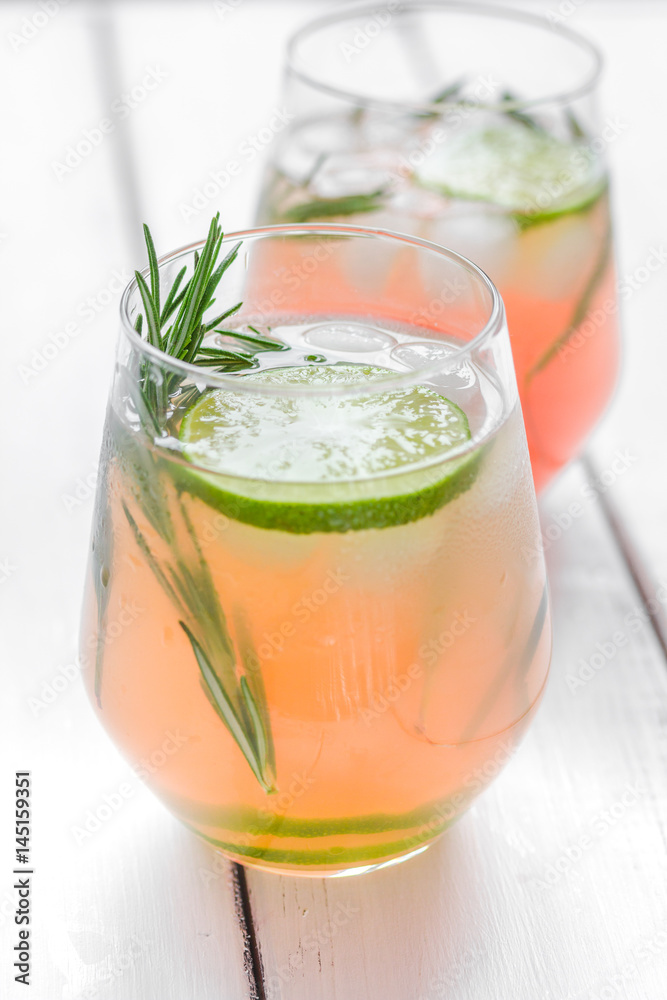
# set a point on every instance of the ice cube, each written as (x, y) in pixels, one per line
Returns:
(348, 338)
(486, 236)
(555, 258)
(459, 380)
(343, 175)
(418, 354)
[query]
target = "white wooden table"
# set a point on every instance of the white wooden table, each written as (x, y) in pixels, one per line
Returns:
(554, 886)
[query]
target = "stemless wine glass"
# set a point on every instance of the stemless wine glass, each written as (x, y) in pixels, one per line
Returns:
(477, 128)
(316, 618)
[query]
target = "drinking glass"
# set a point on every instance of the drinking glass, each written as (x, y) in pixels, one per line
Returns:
(316, 620)
(477, 128)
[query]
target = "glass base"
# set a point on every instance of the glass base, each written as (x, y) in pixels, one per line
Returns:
(332, 871)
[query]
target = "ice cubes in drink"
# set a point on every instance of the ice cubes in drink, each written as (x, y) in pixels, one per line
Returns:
(348, 337)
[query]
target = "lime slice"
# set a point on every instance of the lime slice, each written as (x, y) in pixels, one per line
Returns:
(523, 170)
(326, 463)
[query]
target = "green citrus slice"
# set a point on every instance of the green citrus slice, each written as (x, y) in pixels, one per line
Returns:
(328, 462)
(523, 170)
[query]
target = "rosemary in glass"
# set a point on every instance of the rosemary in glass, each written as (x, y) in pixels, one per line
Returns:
(225, 658)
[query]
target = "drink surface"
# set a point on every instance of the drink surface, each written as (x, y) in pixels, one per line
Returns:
(337, 603)
(531, 209)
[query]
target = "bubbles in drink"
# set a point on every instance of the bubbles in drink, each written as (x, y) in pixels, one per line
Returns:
(398, 348)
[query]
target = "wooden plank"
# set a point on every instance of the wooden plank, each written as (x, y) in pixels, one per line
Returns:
(196, 138)
(628, 450)
(122, 902)
(554, 884)
(467, 919)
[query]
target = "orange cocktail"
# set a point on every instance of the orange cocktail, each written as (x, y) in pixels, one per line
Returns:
(476, 129)
(331, 557)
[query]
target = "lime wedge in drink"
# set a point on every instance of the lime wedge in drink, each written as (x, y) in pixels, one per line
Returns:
(328, 462)
(523, 170)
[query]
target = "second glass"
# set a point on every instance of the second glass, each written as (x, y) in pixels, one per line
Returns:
(475, 128)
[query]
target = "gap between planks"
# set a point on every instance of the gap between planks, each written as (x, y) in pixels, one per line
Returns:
(104, 40)
(630, 556)
(105, 44)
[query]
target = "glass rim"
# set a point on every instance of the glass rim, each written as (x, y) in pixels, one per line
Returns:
(476, 9)
(395, 380)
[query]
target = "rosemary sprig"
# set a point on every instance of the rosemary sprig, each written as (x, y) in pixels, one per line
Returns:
(581, 309)
(178, 326)
(185, 305)
(508, 97)
(327, 208)
(443, 95)
(576, 129)
(255, 339)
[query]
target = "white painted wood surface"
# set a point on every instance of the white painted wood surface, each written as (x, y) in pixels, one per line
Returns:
(476, 916)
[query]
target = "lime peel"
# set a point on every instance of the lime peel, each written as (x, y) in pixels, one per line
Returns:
(527, 172)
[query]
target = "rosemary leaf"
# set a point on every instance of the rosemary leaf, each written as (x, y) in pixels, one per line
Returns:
(451, 90)
(581, 309)
(520, 116)
(184, 574)
(172, 302)
(152, 315)
(150, 558)
(258, 340)
(324, 208)
(226, 710)
(187, 314)
(262, 749)
(227, 366)
(576, 129)
(153, 267)
(223, 316)
(221, 354)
